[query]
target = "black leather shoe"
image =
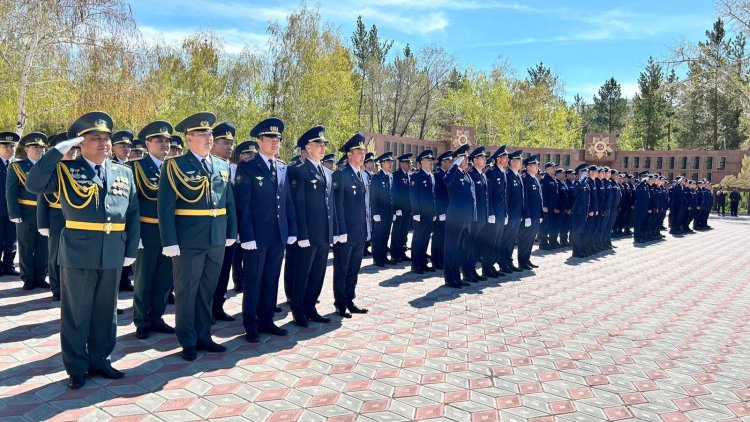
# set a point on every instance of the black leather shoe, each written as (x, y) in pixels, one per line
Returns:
(41, 283)
(252, 338)
(170, 299)
(273, 330)
(391, 261)
(300, 321)
(161, 327)
(28, 286)
(126, 287)
(438, 267)
(525, 266)
(530, 264)
(56, 298)
(515, 269)
(11, 272)
(463, 283)
(316, 317)
(211, 347)
(223, 316)
(277, 309)
(357, 310)
(379, 264)
(142, 332)
(479, 277)
(238, 288)
(417, 271)
(470, 280)
(189, 353)
(428, 269)
(120, 311)
(342, 312)
(76, 381)
(107, 372)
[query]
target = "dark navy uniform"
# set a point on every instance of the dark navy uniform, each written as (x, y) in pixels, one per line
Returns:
(460, 214)
(549, 217)
(290, 249)
(402, 211)
(642, 210)
(381, 203)
(423, 209)
(498, 212)
(437, 247)
(267, 221)
(349, 191)
(32, 246)
(476, 250)
(580, 212)
(312, 193)
(532, 215)
(565, 192)
(7, 228)
(515, 215)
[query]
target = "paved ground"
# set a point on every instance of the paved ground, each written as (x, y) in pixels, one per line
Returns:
(654, 333)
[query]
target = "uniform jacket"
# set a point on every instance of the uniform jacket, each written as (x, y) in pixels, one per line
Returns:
(441, 192)
(497, 192)
(147, 179)
(313, 203)
(422, 195)
(515, 196)
(461, 196)
(550, 192)
(381, 196)
(349, 193)
(401, 192)
(581, 197)
(16, 192)
(532, 197)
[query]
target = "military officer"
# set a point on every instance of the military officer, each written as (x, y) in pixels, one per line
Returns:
(122, 144)
(590, 229)
(291, 249)
(197, 220)
(498, 211)
(328, 161)
(340, 163)
(437, 247)
(101, 233)
(642, 208)
(367, 173)
(477, 251)
(8, 142)
(138, 150)
(312, 193)
(175, 146)
(267, 222)
(423, 211)
(153, 274)
(349, 191)
(402, 208)
(515, 207)
(223, 147)
(532, 212)
(460, 214)
(580, 211)
(22, 204)
(565, 200)
(381, 201)
(550, 207)
(615, 198)
(50, 221)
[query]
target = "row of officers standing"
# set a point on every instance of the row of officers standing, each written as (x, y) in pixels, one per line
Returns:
(176, 217)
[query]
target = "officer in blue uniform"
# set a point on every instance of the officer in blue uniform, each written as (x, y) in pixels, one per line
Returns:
(550, 207)
(560, 234)
(423, 210)
(197, 220)
(50, 221)
(340, 163)
(532, 212)
(461, 213)
(515, 207)
(22, 204)
(437, 247)
(8, 142)
(153, 274)
(101, 235)
(381, 202)
(328, 161)
(312, 193)
(615, 197)
(401, 209)
(349, 191)
(477, 251)
(642, 208)
(498, 212)
(590, 229)
(267, 222)
(580, 211)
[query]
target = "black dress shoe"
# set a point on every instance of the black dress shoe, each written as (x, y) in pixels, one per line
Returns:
(525, 266)
(378, 264)
(55, 298)
(170, 299)
(76, 381)
(223, 316)
(470, 280)
(126, 287)
(28, 286)
(342, 312)
(189, 353)
(107, 372)
(252, 338)
(273, 330)
(161, 327)
(211, 347)
(11, 271)
(417, 271)
(316, 317)
(530, 264)
(300, 322)
(391, 261)
(428, 269)
(463, 283)
(479, 277)
(515, 269)
(238, 288)
(437, 266)
(41, 283)
(142, 332)
(357, 310)
(120, 311)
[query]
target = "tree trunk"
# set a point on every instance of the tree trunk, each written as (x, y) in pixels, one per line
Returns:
(28, 60)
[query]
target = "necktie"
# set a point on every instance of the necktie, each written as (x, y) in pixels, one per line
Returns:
(359, 174)
(273, 169)
(100, 173)
(205, 166)
(322, 174)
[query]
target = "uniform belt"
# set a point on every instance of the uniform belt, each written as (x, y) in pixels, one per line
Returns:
(27, 202)
(201, 213)
(149, 220)
(97, 227)
(55, 205)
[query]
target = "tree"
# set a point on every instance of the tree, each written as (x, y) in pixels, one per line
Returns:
(609, 107)
(650, 106)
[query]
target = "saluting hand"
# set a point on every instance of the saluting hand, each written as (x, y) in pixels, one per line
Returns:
(65, 146)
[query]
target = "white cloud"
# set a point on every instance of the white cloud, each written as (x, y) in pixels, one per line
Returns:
(420, 24)
(234, 40)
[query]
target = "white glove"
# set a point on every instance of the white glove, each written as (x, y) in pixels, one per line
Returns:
(341, 239)
(376, 218)
(527, 222)
(128, 261)
(16, 220)
(171, 251)
(65, 146)
(491, 219)
(442, 217)
(290, 240)
(249, 246)
(394, 218)
(434, 218)
(230, 242)
(416, 217)
(44, 232)
(335, 240)
(303, 243)
(459, 160)
(540, 221)
(506, 221)
(398, 213)
(140, 243)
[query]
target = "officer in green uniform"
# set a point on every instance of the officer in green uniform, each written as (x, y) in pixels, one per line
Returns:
(101, 233)
(123, 145)
(50, 221)
(197, 220)
(32, 246)
(153, 274)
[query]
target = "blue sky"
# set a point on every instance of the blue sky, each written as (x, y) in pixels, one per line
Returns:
(584, 42)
